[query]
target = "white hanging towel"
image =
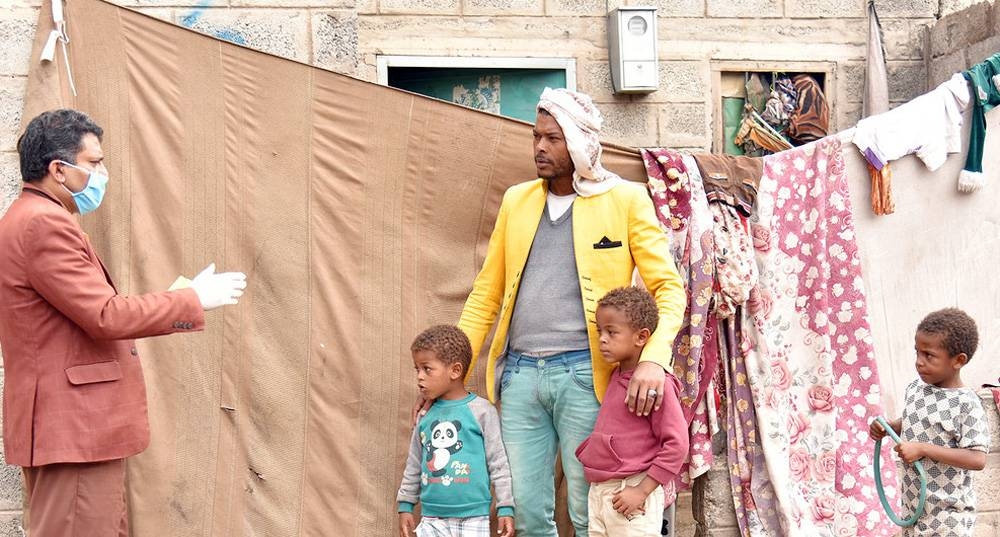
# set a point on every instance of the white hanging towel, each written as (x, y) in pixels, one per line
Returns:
(930, 126)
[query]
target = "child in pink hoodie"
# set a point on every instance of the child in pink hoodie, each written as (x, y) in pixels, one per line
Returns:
(631, 461)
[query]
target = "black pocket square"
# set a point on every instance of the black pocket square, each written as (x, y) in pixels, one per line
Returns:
(605, 242)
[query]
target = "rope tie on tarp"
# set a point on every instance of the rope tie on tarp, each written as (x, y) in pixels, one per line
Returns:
(58, 35)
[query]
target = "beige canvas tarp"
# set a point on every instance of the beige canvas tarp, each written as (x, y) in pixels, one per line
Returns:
(361, 215)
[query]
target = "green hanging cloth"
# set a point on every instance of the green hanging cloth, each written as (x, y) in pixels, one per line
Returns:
(985, 96)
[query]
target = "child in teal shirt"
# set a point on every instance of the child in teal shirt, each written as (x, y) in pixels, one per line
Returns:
(456, 451)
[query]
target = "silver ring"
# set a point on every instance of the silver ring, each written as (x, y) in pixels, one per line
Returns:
(651, 393)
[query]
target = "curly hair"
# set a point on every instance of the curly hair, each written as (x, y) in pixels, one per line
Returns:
(448, 342)
(957, 329)
(53, 135)
(637, 305)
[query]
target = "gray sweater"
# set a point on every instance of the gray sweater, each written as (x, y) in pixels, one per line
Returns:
(548, 313)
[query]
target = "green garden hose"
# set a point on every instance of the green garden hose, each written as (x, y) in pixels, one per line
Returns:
(878, 480)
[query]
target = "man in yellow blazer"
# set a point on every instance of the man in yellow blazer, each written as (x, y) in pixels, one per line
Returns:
(560, 243)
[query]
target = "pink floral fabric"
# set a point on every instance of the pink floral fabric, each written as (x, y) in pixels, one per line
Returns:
(682, 207)
(807, 357)
(735, 266)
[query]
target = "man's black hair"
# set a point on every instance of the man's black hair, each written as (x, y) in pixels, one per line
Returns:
(53, 135)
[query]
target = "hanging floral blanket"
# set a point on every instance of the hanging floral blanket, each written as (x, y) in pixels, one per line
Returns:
(682, 207)
(807, 356)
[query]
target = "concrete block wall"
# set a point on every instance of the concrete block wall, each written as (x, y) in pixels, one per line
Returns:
(961, 40)
(347, 36)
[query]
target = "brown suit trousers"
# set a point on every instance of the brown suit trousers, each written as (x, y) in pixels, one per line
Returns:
(76, 500)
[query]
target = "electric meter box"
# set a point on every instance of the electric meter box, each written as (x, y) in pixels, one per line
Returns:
(632, 49)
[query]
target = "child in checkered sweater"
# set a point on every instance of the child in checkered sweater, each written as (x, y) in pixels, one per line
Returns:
(944, 426)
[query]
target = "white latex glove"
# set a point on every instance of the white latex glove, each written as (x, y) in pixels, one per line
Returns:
(215, 290)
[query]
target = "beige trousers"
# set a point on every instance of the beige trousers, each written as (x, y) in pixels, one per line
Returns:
(606, 522)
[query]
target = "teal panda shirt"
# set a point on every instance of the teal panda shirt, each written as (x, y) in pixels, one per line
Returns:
(456, 453)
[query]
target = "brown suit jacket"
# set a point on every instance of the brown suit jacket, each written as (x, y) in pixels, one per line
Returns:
(73, 385)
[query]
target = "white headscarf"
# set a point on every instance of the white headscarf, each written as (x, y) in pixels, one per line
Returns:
(581, 122)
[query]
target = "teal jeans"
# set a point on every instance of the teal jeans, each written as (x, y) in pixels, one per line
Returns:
(547, 404)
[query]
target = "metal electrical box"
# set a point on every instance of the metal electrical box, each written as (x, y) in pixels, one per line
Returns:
(632, 49)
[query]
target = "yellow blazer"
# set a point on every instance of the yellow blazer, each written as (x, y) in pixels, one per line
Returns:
(626, 218)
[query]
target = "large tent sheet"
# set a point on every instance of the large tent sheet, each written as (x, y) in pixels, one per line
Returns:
(361, 215)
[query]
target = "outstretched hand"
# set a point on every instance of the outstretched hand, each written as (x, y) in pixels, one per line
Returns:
(215, 290)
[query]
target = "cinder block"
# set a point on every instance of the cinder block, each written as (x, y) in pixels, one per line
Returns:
(942, 68)
(707, 148)
(994, 417)
(907, 8)
(845, 116)
(959, 30)
(987, 524)
(294, 3)
(679, 82)
(724, 532)
(335, 41)
(17, 30)
(683, 81)
(666, 8)
(10, 488)
(987, 483)
(629, 124)
(712, 498)
(170, 3)
(576, 7)
(560, 37)
(978, 52)
(684, 523)
(422, 7)
(11, 103)
(906, 80)
(904, 38)
(947, 7)
(280, 32)
(683, 124)
(744, 8)
(851, 83)
(594, 79)
(669, 8)
(11, 524)
(504, 7)
(826, 8)
(10, 180)
(783, 38)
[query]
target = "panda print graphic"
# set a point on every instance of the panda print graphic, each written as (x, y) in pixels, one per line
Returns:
(443, 444)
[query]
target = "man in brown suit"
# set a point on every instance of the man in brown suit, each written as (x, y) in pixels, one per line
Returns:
(74, 398)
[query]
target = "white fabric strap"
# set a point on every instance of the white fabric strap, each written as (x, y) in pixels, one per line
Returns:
(58, 34)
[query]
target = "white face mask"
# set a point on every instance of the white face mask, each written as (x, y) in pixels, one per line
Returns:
(88, 199)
